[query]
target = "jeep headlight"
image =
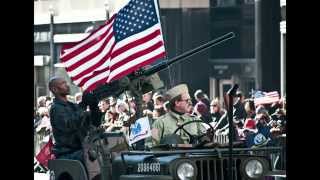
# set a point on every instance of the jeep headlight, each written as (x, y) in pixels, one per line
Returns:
(185, 171)
(254, 168)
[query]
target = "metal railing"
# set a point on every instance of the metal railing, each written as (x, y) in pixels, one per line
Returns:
(221, 138)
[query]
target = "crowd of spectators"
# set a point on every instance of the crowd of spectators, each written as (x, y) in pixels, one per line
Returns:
(119, 114)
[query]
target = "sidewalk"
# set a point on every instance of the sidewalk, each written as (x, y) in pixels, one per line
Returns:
(41, 176)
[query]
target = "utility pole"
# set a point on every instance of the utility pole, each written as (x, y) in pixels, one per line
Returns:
(258, 42)
(106, 5)
(52, 52)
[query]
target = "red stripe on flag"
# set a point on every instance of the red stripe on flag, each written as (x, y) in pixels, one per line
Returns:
(95, 73)
(91, 56)
(88, 45)
(136, 55)
(135, 43)
(130, 70)
(71, 45)
(67, 46)
(94, 67)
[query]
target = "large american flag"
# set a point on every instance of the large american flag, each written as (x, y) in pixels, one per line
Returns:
(129, 40)
(265, 97)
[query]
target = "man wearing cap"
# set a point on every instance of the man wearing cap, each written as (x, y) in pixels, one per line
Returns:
(179, 106)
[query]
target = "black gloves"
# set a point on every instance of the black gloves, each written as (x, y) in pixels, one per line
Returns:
(89, 99)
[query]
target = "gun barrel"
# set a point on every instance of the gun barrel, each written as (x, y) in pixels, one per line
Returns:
(160, 66)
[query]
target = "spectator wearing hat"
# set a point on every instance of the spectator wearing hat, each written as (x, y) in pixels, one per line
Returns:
(179, 106)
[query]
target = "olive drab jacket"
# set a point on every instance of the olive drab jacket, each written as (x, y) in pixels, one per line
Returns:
(168, 123)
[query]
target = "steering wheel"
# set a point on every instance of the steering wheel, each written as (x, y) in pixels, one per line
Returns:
(193, 139)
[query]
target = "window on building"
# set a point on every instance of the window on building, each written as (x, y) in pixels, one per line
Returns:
(225, 3)
(249, 1)
(283, 13)
(41, 36)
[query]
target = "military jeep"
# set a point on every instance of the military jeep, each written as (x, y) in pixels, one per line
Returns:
(172, 161)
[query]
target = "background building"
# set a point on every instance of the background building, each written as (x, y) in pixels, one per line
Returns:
(186, 24)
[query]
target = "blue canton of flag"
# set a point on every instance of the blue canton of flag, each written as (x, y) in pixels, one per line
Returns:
(135, 17)
(258, 94)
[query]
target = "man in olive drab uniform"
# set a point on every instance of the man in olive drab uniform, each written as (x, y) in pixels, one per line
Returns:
(179, 108)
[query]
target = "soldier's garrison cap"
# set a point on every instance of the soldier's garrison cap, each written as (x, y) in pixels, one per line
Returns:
(177, 90)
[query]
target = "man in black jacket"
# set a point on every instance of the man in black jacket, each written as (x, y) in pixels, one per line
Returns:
(70, 122)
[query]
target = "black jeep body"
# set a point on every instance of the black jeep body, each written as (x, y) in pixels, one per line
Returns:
(163, 162)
